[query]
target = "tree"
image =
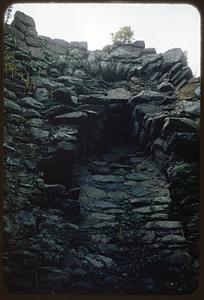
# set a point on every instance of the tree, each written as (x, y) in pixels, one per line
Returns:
(123, 36)
(7, 14)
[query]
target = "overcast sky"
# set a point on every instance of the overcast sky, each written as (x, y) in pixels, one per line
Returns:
(162, 26)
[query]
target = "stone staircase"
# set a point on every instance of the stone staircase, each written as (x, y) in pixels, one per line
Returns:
(85, 211)
(128, 240)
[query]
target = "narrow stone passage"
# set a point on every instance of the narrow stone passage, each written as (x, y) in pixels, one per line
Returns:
(101, 167)
(125, 230)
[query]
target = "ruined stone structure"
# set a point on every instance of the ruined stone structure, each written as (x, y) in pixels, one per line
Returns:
(101, 152)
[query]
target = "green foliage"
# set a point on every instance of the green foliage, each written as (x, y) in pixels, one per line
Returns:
(12, 71)
(123, 36)
(9, 64)
(128, 225)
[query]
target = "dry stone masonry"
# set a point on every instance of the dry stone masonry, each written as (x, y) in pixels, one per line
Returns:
(101, 156)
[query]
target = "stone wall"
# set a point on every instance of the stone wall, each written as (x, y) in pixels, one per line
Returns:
(70, 102)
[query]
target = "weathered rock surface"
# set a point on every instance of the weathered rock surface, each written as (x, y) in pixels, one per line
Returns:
(85, 211)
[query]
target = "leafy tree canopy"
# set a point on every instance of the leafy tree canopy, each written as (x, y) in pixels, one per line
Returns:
(123, 36)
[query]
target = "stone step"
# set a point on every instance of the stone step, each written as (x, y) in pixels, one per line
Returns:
(159, 217)
(150, 209)
(138, 202)
(173, 239)
(163, 225)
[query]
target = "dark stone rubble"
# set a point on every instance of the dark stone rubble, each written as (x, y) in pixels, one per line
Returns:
(101, 168)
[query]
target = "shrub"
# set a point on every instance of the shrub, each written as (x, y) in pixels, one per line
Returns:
(123, 36)
(11, 71)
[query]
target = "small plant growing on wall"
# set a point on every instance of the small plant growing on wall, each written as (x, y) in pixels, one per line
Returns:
(10, 68)
(123, 36)
(11, 71)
